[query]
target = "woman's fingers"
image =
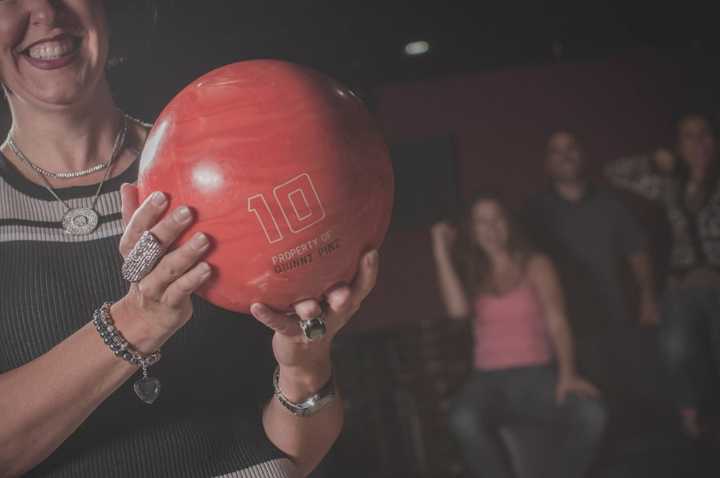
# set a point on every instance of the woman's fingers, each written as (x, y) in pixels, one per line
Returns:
(584, 388)
(130, 203)
(366, 277)
(185, 285)
(577, 386)
(308, 309)
(179, 273)
(171, 226)
(342, 302)
(146, 217)
(142, 219)
(174, 265)
(339, 300)
(590, 390)
(279, 322)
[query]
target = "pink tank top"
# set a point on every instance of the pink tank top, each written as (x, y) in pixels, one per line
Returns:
(510, 330)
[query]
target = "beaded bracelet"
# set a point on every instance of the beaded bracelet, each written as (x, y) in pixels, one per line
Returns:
(146, 388)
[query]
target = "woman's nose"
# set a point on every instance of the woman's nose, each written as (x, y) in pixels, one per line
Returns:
(43, 12)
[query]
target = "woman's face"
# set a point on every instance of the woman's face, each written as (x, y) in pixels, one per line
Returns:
(696, 143)
(52, 52)
(489, 225)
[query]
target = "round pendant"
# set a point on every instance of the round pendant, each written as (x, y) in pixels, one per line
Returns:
(80, 222)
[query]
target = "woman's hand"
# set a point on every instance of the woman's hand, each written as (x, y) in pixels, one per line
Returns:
(310, 361)
(574, 384)
(443, 236)
(162, 298)
(664, 160)
(649, 313)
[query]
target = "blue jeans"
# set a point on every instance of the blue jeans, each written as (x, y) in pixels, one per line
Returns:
(690, 343)
(491, 400)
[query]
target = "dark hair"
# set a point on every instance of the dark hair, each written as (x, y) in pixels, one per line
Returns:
(682, 169)
(579, 139)
(471, 260)
(706, 114)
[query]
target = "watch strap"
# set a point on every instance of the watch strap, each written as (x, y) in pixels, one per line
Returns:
(310, 405)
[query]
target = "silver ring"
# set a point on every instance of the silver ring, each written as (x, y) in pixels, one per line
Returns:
(142, 258)
(314, 329)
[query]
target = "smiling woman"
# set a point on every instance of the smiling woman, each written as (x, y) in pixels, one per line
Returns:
(73, 332)
(524, 364)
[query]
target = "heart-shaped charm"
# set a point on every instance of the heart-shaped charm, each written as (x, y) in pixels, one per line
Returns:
(147, 389)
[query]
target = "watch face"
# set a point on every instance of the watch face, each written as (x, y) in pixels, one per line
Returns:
(311, 405)
(315, 404)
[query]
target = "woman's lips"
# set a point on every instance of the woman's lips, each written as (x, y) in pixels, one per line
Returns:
(52, 54)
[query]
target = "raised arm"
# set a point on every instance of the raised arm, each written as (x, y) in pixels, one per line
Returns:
(634, 247)
(643, 175)
(305, 367)
(451, 286)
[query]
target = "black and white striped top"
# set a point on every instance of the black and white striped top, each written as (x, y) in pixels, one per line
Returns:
(216, 371)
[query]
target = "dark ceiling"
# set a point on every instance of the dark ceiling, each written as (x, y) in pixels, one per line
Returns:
(362, 43)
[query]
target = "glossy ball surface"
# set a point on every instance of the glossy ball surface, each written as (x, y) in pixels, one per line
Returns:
(285, 171)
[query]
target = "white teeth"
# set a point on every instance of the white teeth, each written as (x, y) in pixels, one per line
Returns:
(52, 50)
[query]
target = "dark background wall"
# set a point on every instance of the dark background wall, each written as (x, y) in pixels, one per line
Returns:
(499, 122)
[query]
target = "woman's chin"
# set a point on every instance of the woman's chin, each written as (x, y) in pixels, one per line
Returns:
(56, 89)
(58, 98)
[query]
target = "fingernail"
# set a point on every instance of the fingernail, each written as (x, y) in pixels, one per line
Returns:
(257, 309)
(182, 214)
(199, 241)
(158, 198)
(372, 258)
(204, 269)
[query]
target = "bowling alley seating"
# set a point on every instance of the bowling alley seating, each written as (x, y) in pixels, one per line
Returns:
(397, 384)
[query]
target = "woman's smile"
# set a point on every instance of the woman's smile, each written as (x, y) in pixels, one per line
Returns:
(52, 53)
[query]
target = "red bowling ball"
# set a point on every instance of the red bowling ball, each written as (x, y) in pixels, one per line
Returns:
(286, 172)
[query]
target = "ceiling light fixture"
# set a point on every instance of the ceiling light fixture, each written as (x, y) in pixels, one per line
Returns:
(417, 48)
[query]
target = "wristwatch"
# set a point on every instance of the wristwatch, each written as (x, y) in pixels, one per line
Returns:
(310, 406)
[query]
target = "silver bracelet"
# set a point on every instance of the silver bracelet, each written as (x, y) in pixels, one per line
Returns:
(310, 406)
(146, 388)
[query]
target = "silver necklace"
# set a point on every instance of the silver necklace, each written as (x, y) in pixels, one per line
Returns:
(83, 220)
(70, 174)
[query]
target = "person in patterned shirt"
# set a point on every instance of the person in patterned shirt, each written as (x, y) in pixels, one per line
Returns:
(686, 182)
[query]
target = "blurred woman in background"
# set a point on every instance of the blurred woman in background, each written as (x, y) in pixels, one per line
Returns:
(524, 370)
